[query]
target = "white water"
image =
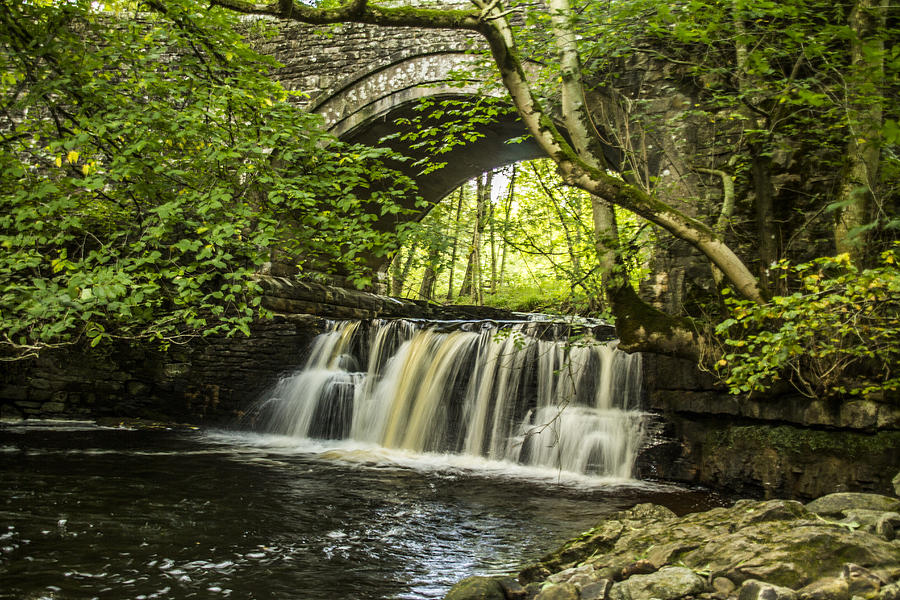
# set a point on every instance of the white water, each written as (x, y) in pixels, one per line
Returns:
(503, 396)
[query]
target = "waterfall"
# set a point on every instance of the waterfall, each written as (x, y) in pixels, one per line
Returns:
(472, 389)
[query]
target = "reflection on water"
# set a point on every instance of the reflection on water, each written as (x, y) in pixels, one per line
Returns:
(87, 512)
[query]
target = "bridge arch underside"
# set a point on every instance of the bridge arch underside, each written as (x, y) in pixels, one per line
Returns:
(366, 108)
(491, 150)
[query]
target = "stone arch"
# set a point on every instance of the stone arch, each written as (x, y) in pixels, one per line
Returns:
(365, 106)
(401, 78)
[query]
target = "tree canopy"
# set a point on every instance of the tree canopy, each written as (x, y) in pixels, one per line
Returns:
(149, 166)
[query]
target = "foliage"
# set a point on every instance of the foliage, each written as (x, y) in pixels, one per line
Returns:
(776, 83)
(547, 238)
(838, 334)
(148, 167)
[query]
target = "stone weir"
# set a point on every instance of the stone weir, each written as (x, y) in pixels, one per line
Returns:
(212, 380)
(287, 296)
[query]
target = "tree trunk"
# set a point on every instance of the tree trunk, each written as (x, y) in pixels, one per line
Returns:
(864, 114)
(426, 289)
(503, 244)
(493, 241)
(459, 204)
(400, 268)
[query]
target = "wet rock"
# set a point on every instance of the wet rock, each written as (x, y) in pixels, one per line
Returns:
(598, 590)
(760, 590)
(882, 524)
(836, 504)
(559, 591)
(830, 588)
(861, 581)
(723, 586)
(477, 588)
(666, 584)
(896, 483)
(890, 592)
(641, 567)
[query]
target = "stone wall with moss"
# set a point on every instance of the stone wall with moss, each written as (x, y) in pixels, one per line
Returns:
(779, 446)
(211, 381)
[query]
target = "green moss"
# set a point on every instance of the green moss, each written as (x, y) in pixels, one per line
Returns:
(796, 440)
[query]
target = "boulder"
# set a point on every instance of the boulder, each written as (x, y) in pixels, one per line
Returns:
(598, 590)
(512, 588)
(861, 581)
(559, 591)
(773, 550)
(723, 587)
(568, 574)
(830, 588)
(477, 588)
(836, 504)
(882, 524)
(896, 483)
(760, 590)
(666, 584)
(890, 592)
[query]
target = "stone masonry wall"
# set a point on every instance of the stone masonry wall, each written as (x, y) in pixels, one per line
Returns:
(210, 381)
(317, 60)
(776, 446)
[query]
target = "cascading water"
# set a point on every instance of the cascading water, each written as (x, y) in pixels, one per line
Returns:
(502, 394)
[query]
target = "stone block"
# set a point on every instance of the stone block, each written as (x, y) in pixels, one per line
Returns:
(668, 583)
(14, 392)
(759, 590)
(598, 590)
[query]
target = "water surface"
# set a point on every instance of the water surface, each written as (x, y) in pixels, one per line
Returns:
(90, 512)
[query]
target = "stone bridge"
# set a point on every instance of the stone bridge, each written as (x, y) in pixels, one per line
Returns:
(362, 78)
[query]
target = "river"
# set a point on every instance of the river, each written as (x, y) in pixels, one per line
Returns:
(93, 512)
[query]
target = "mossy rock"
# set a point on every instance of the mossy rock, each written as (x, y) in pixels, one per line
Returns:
(836, 504)
(477, 588)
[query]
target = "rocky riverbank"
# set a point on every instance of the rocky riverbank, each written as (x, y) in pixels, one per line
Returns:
(843, 546)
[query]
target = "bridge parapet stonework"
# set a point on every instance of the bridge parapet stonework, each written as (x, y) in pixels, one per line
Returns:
(358, 59)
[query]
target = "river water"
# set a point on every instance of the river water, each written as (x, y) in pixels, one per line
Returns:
(91, 512)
